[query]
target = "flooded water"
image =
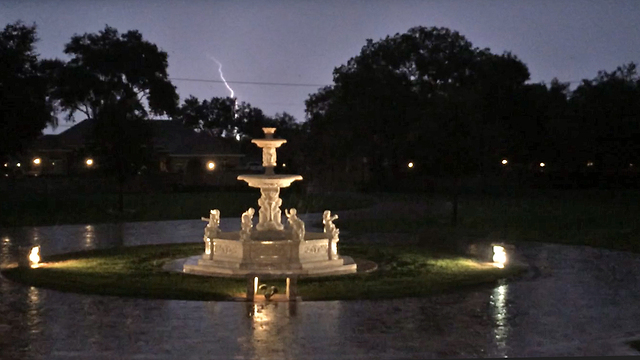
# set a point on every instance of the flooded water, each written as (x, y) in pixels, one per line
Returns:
(576, 301)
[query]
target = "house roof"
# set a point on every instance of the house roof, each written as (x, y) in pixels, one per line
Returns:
(168, 136)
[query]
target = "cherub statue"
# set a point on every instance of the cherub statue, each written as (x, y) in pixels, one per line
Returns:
(247, 224)
(332, 232)
(297, 225)
(329, 227)
(212, 229)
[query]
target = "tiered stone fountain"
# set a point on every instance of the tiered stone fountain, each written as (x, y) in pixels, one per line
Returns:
(270, 248)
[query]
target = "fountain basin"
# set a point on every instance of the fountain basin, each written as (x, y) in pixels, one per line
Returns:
(269, 181)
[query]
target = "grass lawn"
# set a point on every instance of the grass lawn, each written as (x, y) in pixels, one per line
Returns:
(57, 209)
(136, 272)
(601, 218)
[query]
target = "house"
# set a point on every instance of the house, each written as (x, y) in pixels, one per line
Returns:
(179, 150)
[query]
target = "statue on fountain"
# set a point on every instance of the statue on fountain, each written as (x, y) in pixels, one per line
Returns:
(246, 224)
(329, 227)
(212, 229)
(297, 225)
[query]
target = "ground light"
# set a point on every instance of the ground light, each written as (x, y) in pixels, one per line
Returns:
(590, 163)
(34, 256)
(410, 165)
(499, 256)
(543, 164)
(37, 161)
(211, 165)
(504, 162)
(89, 162)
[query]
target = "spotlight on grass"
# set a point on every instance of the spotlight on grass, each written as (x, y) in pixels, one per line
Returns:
(34, 256)
(499, 256)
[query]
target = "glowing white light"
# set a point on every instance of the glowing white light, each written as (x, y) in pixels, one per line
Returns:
(284, 165)
(255, 285)
(211, 165)
(34, 256)
(89, 162)
(410, 165)
(6, 165)
(543, 164)
(37, 161)
(499, 256)
(590, 163)
(18, 164)
(504, 162)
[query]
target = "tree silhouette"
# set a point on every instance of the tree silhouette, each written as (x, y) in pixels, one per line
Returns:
(117, 81)
(25, 105)
(426, 95)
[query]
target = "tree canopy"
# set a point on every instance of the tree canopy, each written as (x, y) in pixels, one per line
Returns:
(116, 81)
(427, 95)
(26, 107)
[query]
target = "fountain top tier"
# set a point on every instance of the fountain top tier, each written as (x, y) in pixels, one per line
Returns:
(269, 160)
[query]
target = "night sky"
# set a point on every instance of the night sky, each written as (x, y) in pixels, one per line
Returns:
(300, 42)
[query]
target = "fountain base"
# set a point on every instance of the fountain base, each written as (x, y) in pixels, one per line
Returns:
(272, 253)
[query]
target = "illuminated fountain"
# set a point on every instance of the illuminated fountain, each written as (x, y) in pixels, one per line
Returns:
(270, 249)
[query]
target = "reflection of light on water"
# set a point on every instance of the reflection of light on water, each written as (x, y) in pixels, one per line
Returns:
(4, 251)
(260, 313)
(500, 326)
(34, 316)
(89, 236)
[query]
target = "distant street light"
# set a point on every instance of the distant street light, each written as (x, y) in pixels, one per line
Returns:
(37, 161)
(6, 164)
(504, 162)
(590, 163)
(89, 162)
(542, 165)
(211, 165)
(18, 164)
(410, 165)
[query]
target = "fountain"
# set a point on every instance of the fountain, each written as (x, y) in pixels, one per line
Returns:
(270, 249)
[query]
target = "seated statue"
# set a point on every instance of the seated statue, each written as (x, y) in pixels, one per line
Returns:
(246, 224)
(297, 225)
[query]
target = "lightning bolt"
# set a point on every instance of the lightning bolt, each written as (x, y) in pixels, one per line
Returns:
(221, 74)
(235, 102)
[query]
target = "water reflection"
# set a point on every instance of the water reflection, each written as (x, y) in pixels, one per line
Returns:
(271, 332)
(89, 237)
(499, 315)
(5, 254)
(34, 313)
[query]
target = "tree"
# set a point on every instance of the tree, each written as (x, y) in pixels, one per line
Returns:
(427, 95)
(25, 105)
(605, 117)
(116, 81)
